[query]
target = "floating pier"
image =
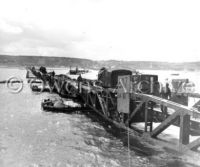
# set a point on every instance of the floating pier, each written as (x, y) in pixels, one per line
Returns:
(124, 106)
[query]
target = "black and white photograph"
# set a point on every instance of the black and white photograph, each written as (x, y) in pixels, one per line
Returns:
(99, 83)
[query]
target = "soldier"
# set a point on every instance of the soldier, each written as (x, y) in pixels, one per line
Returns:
(165, 94)
(79, 79)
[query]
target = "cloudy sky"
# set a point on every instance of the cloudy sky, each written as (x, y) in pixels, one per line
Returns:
(102, 29)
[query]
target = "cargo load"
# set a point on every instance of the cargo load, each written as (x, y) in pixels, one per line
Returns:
(109, 78)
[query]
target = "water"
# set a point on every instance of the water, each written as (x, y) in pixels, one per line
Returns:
(167, 76)
(30, 137)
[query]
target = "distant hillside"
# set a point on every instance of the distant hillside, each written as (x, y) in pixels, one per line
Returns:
(44, 61)
(22, 61)
(152, 65)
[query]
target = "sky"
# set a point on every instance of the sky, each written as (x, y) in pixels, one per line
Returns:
(140, 30)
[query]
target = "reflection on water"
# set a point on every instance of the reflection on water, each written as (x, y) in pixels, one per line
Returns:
(31, 137)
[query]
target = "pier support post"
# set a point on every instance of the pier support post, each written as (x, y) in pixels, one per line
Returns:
(148, 120)
(184, 129)
(146, 116)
